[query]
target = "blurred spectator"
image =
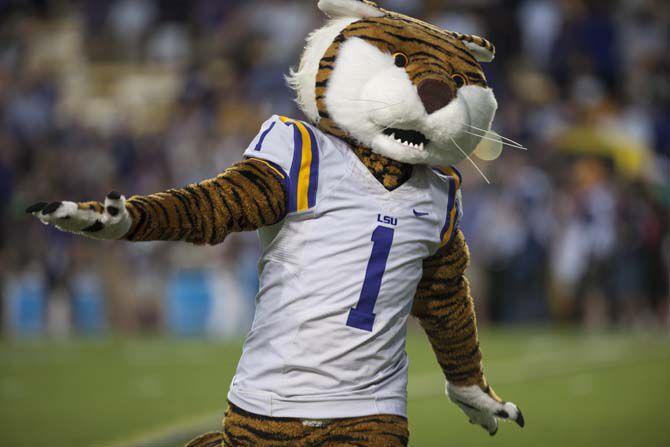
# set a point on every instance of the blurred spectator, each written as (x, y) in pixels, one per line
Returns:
(144, 95)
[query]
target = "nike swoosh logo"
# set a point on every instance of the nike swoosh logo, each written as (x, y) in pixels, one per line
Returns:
(420, 214)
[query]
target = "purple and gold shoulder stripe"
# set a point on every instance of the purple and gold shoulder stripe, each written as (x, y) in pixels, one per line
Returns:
(451, 222)
(304, 173)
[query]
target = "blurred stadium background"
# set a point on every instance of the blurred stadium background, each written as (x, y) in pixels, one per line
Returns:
(129, 345)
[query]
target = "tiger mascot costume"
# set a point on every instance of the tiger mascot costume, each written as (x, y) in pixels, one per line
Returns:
(359, 229)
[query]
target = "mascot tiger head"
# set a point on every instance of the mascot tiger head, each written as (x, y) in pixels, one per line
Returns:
(406, 89)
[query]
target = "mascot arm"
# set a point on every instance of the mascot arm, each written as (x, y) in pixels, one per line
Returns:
(445, 309)
(245, 197)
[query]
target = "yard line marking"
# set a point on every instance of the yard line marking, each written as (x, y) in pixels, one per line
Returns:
(174, 432)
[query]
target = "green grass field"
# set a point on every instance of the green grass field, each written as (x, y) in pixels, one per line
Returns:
(575, 390)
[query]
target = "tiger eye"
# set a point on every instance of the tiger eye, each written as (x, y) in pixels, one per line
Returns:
(459, 80)
(401, 60)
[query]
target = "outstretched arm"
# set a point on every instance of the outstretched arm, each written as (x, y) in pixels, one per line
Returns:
(245, 197)
(445, 309)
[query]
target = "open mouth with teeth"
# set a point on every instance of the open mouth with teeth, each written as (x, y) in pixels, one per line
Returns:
(409, 138)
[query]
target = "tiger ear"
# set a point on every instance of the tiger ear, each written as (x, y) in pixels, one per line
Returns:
(481, 49)
(362, 9)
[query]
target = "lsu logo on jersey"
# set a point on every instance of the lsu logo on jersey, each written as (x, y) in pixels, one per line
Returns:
(387, 220)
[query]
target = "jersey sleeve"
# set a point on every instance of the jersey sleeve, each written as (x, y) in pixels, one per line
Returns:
(290, 146)
(274, 143)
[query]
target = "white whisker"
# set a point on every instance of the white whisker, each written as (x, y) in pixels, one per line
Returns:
(385, 107)
(471, 161)
(504, 143)
(367, 100)
(519, 145)
(386, 104)
(390, 125)
(395, 121)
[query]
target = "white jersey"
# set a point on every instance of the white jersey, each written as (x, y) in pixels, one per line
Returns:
(337, 279)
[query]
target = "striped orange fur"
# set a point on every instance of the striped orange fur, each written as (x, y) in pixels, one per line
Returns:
(445, 308)
(245, 197)
(390, 173)
(244, 429)
(93, 206)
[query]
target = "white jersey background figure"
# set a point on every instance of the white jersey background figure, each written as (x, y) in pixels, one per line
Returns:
(359, 230)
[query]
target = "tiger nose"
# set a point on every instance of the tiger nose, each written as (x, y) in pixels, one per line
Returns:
(434, 95)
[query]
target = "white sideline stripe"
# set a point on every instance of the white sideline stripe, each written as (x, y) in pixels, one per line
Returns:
(199, 424)
(596, 355)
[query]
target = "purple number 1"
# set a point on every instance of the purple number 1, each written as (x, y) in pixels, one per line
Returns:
(362, 316)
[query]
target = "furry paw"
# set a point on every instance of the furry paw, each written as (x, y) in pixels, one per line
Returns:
(108, 221)
(481, 404)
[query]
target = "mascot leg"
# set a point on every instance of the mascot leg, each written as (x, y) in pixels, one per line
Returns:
(244, 429)
(369, 431)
